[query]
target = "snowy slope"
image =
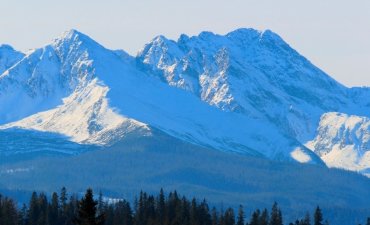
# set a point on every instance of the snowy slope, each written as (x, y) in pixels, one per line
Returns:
(256, 74)
(343, 141)
(95, 92)
(34, 83)
(8, 57)
(247, 91)
(251, 72)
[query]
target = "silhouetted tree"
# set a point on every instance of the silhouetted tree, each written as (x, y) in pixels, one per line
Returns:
(87, 212)
(229, 217)
(276, 216)
(264, 218)
(53, 210)
(241, 216)
(255, 219)
(318, 218)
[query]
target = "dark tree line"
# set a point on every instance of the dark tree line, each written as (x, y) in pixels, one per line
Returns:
(172, 209)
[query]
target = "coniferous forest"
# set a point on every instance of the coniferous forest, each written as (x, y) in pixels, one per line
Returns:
(171, 209)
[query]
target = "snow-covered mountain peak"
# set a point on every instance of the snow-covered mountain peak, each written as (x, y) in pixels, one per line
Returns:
(72, 35)
(245, 33)
(207, 35)
(8, 57)
(248, 71)
(6, 47)
(160, 52)
(75, 43)
(48, 74)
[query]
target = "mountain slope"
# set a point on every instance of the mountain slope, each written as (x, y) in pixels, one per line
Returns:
(344, 141)
(251, 72)
(34, 83)
(103, 92)
(247, 92)
(255, 74)
(161, 161)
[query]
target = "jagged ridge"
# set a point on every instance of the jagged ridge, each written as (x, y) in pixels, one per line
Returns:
(247, 91)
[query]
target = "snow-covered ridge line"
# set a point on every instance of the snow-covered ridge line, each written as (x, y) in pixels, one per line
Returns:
(247, 91)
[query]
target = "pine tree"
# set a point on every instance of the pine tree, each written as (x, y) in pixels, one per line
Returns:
(22, 215)
(1, 209)
(87, 212)
(255, 219)
(33, 211)
(43, 210)
(63, 206)
(241, 216)
(122, 213)
(214, 217)
(8, 212)
(53, 210)
(63, 198)
(101, 203)
(222, 217)
(368, 221)
(229, 217)
(71, 210)
(194, 218)
(276, 217)
(204, 215)
(307, 220)
(160, 207)
(264, 218)
(318, 218)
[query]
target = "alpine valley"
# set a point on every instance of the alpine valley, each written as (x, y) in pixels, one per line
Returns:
(235, 117)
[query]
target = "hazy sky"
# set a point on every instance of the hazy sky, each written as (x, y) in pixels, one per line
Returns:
(333, 34)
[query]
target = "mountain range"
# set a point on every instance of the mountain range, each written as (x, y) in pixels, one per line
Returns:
(247, 92)
(244, 103)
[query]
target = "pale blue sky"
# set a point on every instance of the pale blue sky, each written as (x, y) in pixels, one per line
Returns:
(333, 34)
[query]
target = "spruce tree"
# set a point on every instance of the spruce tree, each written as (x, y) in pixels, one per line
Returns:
(43, 210)
(194, 218)
(215, 217)
(307, 220)
(87, 212)
(241, 216)
(22, 215)
(229, 217)
(204, 215)
(1, 209)
(101, 203)
(368, 221)
(33, 211)
(276, 217)
(184, 214)
(160, 207)
(264, 218)
(63, 206)
(318, 218)
(53, 210)
(255, 219)
(63, 198)
(8, 212)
